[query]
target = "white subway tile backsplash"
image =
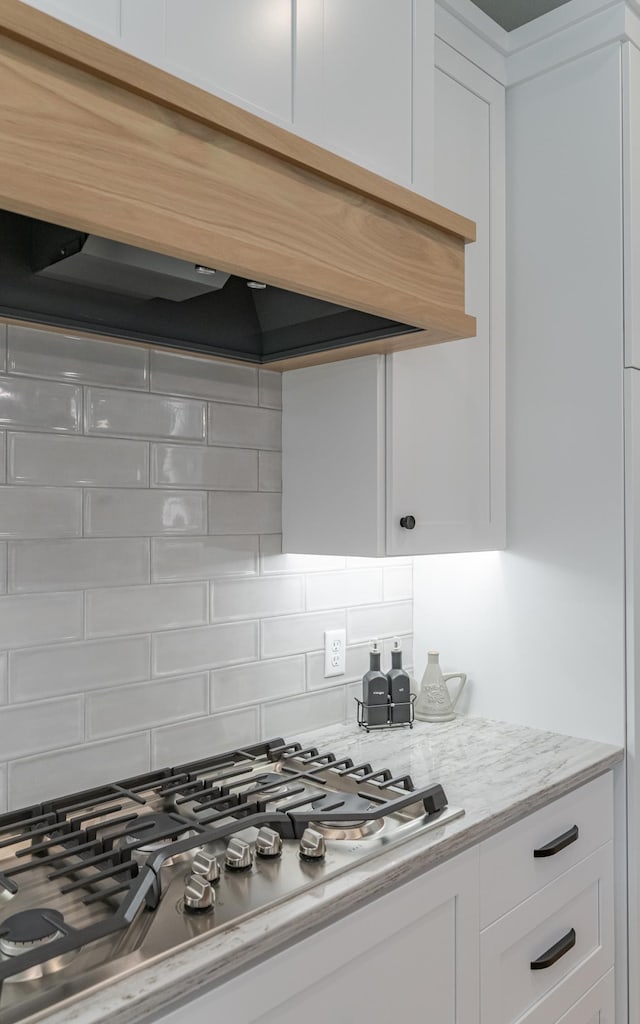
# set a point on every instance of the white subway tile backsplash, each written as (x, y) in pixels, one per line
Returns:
(255, 599)
(30, 619)
(131, 708)
(270, 389)
(244, 427)
(176, 374)
(406, 644)
(146, 609)
(259, 680)
(149, 613)
(398, 582)
(39, 672)
(378, 621)
(190, 650)
(242, 512)
(41, 353)
(31, 728)
(80, 461)
(33, 779)
(273, 561)
(180, 558)
(152, 416)
(296, 634)
(40, 512)
(270, 471)
(3, 348)
(328, 590)
(289, 717)
(40, 405)
(213, 469)
(39, 565)
(203, 737)
(356, 664)
(128, 513)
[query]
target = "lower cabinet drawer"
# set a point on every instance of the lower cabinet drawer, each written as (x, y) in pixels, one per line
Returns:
(596, 1007)
(540, 958)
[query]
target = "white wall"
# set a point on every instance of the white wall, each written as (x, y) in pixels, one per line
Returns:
(540, 627)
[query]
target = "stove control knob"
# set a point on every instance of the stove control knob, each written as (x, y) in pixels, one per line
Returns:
(268, 843)
(312, 845)
(206, 865)
(198, 895)
(239, 855)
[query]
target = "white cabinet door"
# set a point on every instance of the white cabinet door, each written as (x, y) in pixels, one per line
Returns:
(446, 403)
(411, 955)
(364, 70)
(99, 18)
(631, 220)
(596, 1007)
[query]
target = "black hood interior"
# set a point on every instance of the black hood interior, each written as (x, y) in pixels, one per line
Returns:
(256, 325)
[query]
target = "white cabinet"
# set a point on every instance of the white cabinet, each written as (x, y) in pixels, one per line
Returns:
(419, 433)
(412, 954)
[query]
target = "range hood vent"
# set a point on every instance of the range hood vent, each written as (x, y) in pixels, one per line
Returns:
(65, 255)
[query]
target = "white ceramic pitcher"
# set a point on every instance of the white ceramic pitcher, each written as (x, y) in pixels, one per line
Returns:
(434, 703)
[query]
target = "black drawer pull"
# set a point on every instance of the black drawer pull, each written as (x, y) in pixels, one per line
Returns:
(566, 839)
(554, 953)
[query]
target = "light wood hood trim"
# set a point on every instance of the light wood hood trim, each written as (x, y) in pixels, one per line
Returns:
(95, 139)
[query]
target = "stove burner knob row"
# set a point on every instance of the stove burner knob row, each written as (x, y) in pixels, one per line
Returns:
(239, 855)
(206, 864)
(198, 894)
(312, 845)
(268, 843)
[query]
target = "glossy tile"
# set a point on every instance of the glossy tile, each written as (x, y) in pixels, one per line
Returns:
(50, 724)
(40, 405)
(203, 378)
(3, 456)
(39, 672)
(3, 348)
(245, 427)
(133, 708)
(238, 512)
(40, 512)
(3, 788)
(203, 737)
(296, 634)
(270, 471)
(124, 610)
(287, 718)
(79, 461)
(406, 644)
(259, 680)
(128, 513)
(184, 558)
(190, 650)
(3, 567)
(213, 469)
(270, 389)
(152, 416)
(338, 589)
(378, 621)
(33, 779)
(4, 684)
(75, 564)
(398, 583)
(29, 619)
(254, 599)
(273, 561)
(42, 353)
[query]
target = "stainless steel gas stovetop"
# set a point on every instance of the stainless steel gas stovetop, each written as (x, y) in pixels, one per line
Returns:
(101, 883)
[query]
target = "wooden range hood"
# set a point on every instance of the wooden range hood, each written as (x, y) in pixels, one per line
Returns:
(100, 142)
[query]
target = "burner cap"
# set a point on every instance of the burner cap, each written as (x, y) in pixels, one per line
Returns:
(272, 779)
(351, 803)
(30, 927)
(151, 830)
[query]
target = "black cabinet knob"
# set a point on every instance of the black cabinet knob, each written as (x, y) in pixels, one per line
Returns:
(408, 522)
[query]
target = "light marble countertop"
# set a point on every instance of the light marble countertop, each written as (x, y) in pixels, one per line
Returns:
(498, 772)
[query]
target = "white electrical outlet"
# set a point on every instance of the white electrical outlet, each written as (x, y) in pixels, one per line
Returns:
(335, 644)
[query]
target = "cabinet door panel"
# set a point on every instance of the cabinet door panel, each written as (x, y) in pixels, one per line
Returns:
(242, 50)
(99, 17)
(446, 402)
(596, 1007)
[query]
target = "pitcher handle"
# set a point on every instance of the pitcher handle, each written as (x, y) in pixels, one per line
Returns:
(462, 676)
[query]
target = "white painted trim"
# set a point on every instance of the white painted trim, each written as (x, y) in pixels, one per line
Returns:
(462, 38)
(480, 23)
(558, 20)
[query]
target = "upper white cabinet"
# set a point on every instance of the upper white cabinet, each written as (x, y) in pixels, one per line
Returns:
(421, 433)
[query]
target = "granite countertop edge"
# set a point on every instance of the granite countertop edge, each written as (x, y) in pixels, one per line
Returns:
(160, 987)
